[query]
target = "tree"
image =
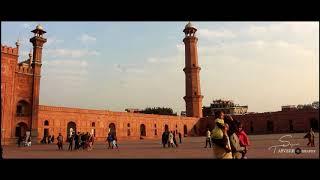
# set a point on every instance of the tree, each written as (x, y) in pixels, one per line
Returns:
(305, 106)
(159, 110)
(315, 104)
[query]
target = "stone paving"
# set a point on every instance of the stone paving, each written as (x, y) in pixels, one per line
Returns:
(192, 147)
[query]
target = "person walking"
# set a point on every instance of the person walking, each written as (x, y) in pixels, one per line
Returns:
(310, 136)
(164, 139)
(80, 140)
(83, 141)
(174, 140)
(60, 141)
(52, 138)
(109, 139)
(180, 138)
(71, 143)
(91, 141)
(49, 139)
(76, 141)
(43, 140)
(28, 141)
(114, 141)
(171, 139)
(208, 138)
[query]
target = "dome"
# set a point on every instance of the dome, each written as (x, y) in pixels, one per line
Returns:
(39, 27)
(189, 25)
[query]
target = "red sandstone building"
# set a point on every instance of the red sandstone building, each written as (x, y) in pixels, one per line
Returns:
(21, 112)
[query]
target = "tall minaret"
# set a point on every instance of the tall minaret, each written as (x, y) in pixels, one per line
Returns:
(193, 96)
(37, 41)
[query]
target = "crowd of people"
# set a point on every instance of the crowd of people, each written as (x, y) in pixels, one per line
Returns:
(47, 139)
(24, 141)
(228, 139)
(77, 141)
(169, 139)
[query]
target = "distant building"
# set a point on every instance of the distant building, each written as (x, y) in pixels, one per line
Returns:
(227, 106)
(288, 108)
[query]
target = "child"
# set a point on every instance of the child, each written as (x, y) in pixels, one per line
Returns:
(217, 132)
(243, 139)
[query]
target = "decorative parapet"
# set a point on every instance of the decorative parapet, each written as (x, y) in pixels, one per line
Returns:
(111, 113)
(9, 50)
(24, 69)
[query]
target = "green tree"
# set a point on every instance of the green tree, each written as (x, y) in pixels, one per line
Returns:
(315, 105)
(159, 110)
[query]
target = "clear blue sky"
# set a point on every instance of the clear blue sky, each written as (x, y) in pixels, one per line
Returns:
(118, 65)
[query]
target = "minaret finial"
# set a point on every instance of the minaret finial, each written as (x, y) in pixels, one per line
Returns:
(18, 43)
(30, 53)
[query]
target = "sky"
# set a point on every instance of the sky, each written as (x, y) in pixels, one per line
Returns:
(119, 65)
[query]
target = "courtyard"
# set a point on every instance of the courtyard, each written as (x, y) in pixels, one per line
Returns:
(191, 148)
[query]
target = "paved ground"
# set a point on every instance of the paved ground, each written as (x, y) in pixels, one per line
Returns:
(192, 147)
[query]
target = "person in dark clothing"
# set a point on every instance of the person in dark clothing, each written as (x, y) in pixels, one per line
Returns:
(180, 138)
(109, 139)
(19, 141)
(71, 143)
(165, 137)
(52, 138)
(49, 139)
(83, 140)
(76, 141)
(60, 141)
(80, 140)
(43, 140)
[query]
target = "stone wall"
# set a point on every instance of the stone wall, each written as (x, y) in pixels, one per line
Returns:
(59, 117)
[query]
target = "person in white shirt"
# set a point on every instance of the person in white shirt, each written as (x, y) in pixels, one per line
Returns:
(208, 138)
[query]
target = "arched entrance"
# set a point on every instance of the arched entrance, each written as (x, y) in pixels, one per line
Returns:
(185, 131)
(70, 125)
(21, 129)
(112, 128)
(143, 130)
(166, 127)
